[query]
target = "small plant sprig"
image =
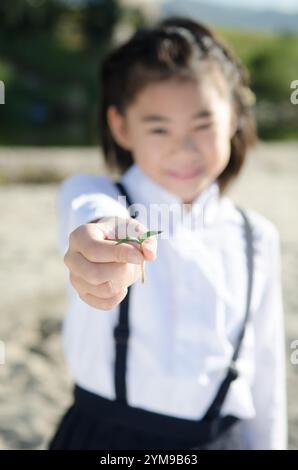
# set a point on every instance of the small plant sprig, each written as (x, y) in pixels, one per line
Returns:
(140, 240)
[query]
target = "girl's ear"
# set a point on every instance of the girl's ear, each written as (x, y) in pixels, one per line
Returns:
(118, 128)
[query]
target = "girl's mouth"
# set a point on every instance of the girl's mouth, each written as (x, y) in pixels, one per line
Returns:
(184, 175)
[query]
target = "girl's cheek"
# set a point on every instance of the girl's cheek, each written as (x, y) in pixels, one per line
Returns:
(158, 143)
(220, 139)
(206, 143)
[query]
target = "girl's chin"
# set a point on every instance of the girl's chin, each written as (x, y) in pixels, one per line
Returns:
(186, 193)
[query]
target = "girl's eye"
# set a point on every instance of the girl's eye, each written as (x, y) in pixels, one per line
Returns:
(203, 126)
(159, 131)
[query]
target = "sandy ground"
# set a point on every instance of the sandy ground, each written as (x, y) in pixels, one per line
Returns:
(35, 386)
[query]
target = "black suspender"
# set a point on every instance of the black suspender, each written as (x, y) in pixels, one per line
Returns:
(123, 192)
(232, 373)
(121, 334)
(121, 331)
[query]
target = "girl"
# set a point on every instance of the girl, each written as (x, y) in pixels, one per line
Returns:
(193, 358)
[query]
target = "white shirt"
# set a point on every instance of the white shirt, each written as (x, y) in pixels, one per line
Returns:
(185, 318)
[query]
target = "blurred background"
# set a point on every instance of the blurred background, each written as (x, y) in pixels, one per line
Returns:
(50, 51)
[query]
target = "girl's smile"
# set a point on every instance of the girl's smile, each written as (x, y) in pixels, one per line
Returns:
(183, 174)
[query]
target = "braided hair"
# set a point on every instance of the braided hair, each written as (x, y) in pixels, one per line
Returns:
(175, 47)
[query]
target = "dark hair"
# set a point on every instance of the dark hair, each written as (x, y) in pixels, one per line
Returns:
(173, 48)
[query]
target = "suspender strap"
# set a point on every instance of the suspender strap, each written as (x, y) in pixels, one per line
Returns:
(121, 332)
(232, 373)
(123, 192)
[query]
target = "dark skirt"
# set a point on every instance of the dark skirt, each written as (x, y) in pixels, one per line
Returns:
(96, 423)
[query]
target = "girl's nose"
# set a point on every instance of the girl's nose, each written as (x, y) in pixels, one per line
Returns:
(186, 147)
(189, 145)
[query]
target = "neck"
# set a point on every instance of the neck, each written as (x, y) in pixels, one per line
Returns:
(187, 205)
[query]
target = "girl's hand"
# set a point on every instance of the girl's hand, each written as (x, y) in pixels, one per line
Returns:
(100, 269)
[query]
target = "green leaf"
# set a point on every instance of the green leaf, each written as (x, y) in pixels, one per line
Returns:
(149, 234)
(125, 240)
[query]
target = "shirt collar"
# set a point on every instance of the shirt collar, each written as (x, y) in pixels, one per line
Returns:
(143, 190)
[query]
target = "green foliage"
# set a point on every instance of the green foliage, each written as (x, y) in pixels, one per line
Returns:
(29, 16)
(97, 18)
(272, 61)
(50, 51)
(141, 239)
(49, 55)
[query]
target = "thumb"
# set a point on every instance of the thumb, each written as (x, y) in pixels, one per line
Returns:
(118, 228)
(149, 248)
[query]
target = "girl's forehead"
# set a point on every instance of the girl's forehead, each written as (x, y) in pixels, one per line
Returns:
(173, 95)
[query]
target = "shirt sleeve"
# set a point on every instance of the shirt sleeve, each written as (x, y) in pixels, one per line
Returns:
(82, 199)
(268, 430)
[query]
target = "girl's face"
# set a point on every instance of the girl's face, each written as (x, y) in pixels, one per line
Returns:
(178, 133)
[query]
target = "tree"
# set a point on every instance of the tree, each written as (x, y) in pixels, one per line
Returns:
(29, 16)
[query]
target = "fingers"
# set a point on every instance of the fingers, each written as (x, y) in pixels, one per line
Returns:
(117, 228)
(109, 287)
(98, 273)
(96, 243)
(149, 249)
(103, 304)
(149, 246)
(106, 295)
(90, 242)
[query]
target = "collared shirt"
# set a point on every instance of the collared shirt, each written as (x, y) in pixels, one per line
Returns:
(185, 318)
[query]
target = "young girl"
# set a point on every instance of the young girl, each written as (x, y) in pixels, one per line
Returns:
(192, 358)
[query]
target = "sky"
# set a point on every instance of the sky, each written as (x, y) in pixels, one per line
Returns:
(286, 6)
(281, 5)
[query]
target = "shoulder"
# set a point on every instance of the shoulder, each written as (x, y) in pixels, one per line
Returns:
(82, 185)
(264, 230)
(84, 182)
